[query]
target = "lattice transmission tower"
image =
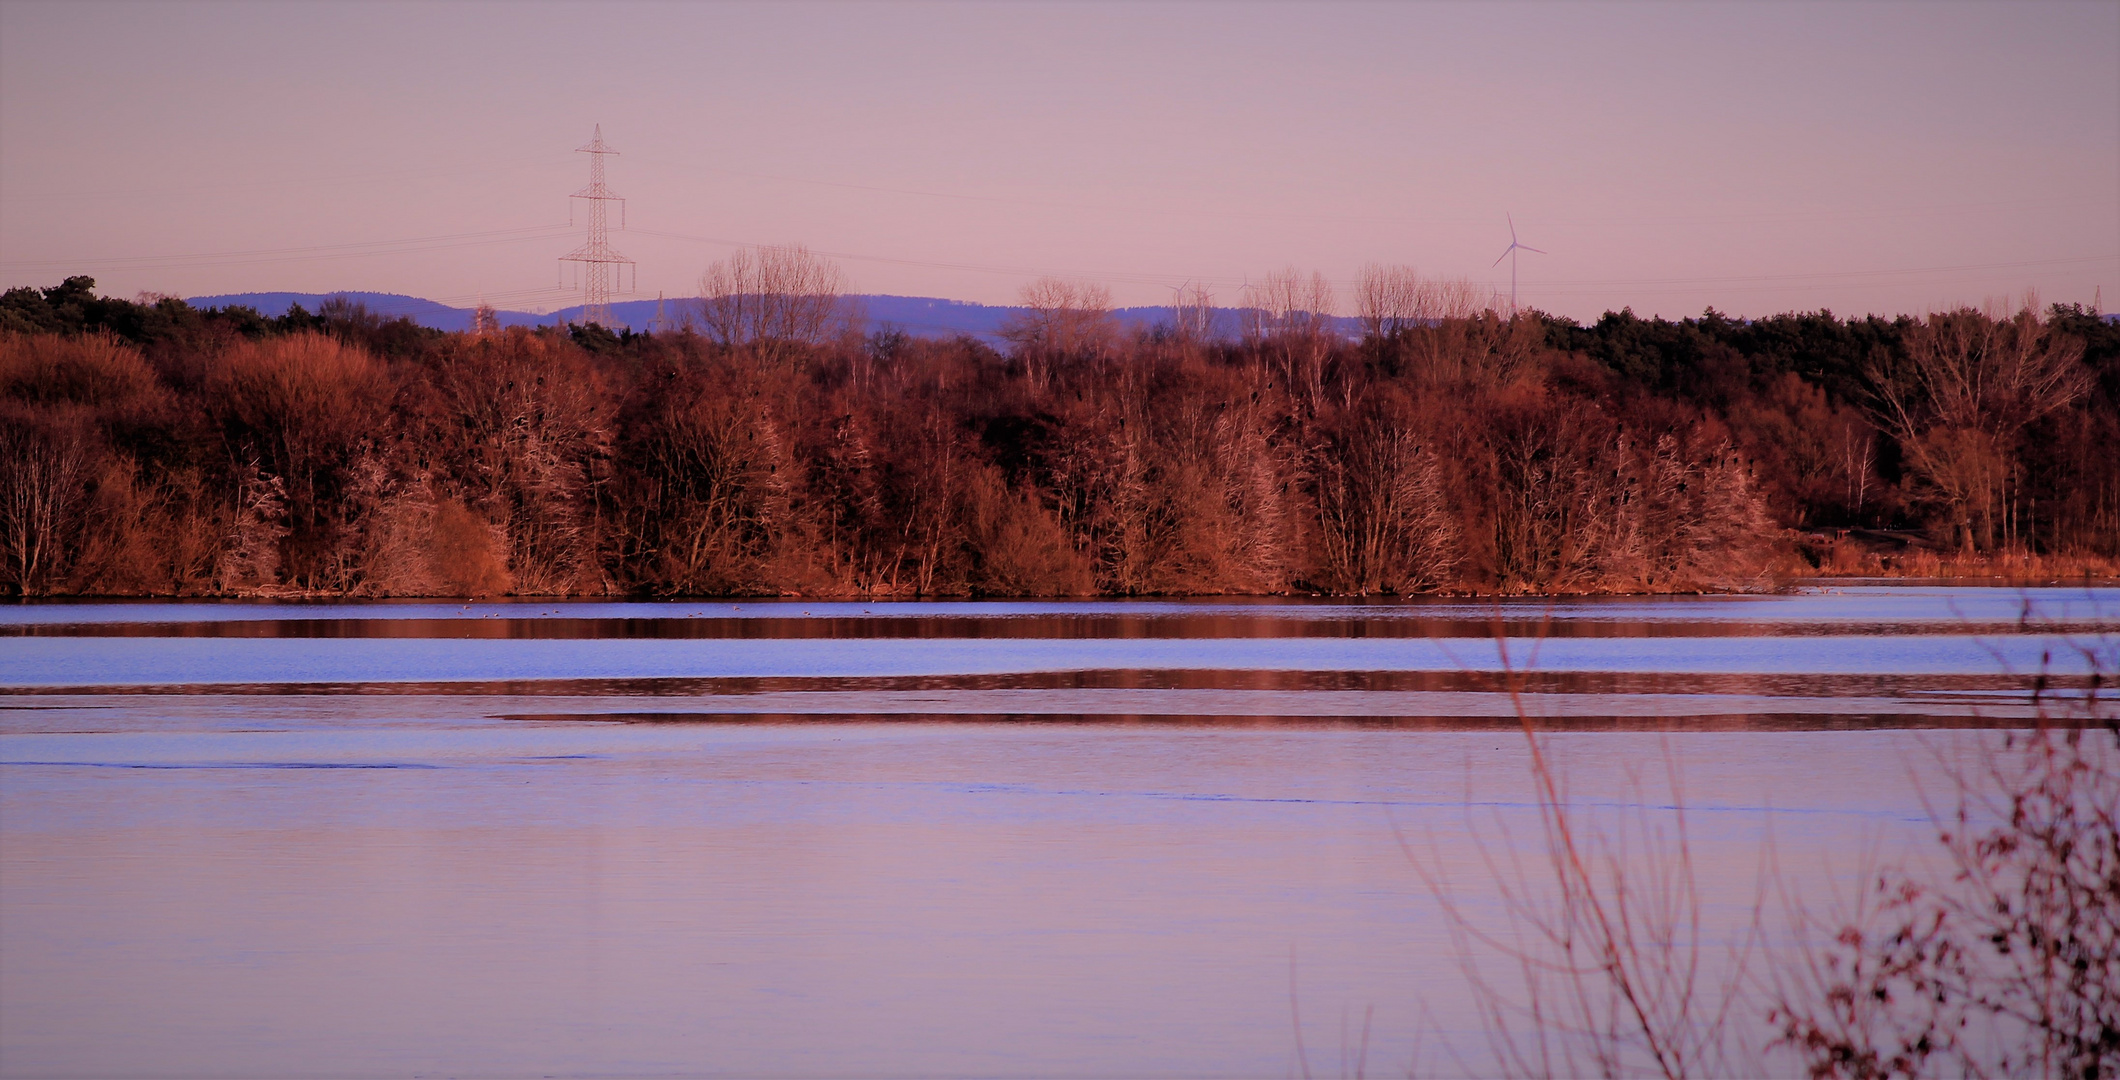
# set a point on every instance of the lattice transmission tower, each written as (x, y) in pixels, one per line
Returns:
(597, 259)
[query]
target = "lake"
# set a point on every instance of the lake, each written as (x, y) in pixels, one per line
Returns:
(835, 839)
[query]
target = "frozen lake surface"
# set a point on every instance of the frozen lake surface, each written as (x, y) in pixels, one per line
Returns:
(786, 838)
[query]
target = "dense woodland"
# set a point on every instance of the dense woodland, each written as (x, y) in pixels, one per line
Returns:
(779, 447)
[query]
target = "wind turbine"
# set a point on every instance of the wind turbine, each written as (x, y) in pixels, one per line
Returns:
(1509, 253)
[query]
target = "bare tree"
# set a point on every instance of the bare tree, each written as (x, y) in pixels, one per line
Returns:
(45, 466)
(1393, 300)
(1258, 481)
(721, 513)
(1438, 329)
(305, 407)
(777, 301)
(1062, 322)
(1561, 493)
(249, 555)
(1695, 516)
(1289, 320)
(1959, 401)
(1385, 528)
(1385, 299)
(529, 432)
(1192, 312)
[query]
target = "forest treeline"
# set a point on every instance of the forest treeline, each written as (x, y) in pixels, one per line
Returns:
(777, 447)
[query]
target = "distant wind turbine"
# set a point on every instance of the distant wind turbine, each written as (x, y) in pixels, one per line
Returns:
(1509, 253)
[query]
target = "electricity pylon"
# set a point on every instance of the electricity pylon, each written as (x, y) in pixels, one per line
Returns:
(596, 255)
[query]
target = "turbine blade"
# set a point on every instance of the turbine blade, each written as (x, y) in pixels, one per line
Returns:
(1512, 229)
(1528, 247)
(1505, 254)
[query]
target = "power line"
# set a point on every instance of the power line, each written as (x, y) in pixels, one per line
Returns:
(361, 250)
(1896, 209)
(1127, 277)
(338, 180)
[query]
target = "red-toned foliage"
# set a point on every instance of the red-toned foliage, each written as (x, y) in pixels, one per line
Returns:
(1450, 450)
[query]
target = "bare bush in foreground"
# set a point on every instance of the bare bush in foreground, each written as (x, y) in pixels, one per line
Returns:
(2011, 965)
(1612, 970)
(2008, 963)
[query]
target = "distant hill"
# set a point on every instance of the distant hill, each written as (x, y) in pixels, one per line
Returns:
(389, 305)
(920, 316)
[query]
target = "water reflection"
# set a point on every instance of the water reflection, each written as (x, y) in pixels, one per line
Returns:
(1822, 684)
(386, 839)
(1848, 609)
(171, 661)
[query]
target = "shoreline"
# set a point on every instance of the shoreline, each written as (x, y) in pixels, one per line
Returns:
(1997, 573)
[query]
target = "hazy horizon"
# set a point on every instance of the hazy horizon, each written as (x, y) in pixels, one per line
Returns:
(1754, 158)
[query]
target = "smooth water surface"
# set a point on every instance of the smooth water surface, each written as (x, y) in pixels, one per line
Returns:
(1169, 838)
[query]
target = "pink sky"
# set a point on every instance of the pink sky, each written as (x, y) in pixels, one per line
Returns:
(1753, 157)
